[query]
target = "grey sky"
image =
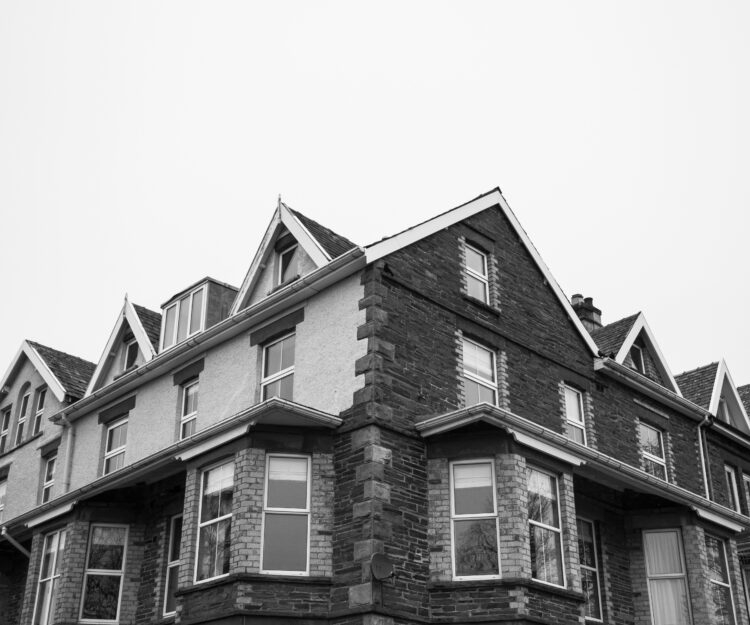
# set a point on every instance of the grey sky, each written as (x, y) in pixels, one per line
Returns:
(143, 146)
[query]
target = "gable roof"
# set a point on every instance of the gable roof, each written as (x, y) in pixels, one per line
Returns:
(63, 373)
(321, 244)
(744, 392)
(697, 385)
(493, 198)
(610, 338)
(151, 322)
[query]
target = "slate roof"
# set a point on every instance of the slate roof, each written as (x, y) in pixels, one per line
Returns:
(698, 385)
(151, 322)
(334, 244)
(744, 392)
(610, 338)
(73, 373)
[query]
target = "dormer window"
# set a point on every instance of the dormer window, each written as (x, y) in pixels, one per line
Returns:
(129, 354)
(723, 411)
(287, 263)
(184, 317)
(636, 355)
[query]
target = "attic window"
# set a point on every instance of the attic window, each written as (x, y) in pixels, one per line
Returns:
(288, 264)
(636, 355)
(723, 411)
(129, 354)
(183, 318)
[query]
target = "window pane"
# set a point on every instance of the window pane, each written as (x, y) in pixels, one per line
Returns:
(721, 605)
(546, 555)
(191, 399)
(651, 441)
(282, 388)
(114, 463)
(663, 553)
(586, 554)
(472, 488)
(573, 405)
(48, 557)
(176, 538)
(477, 393)
(182, 321)
(476, 288)
(476, 547)
(715, 556)
(542, 498)
(218, 484)
(196, 319)
(117, 436)
(289, 262)
(188, 428)
(590, 587)
(40, 403)
(44, 610)
(213, 549)
(107, 548)
(287, 483)
(171, 602)
(49, 472)
(475, 261)
(669, 601)
(169, 326)
(655, 469)
(285, 542)
(280, 356)
(478, 361)
(574, 433)
(101, 596)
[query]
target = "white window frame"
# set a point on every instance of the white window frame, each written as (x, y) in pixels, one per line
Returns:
(127, 345)
(475, 378)
(275, 377)
(5, 417)
(579, 425)
(682, 575)
(291, 511)
(595, 570)
(722, 411)
(173, 566)
(469, 517)
(3, 496)
(111, 453)
(47, 618)
(21, 422)
(280, 255)
(730, 474)
(186, 418)
(41, 396)
(202, 524)
(483, 278)
(637, 349)
(727, 584)
(551, 527)
(176, 305)
(48, 482)
(746, 486)
(649, 456)
(103, 572)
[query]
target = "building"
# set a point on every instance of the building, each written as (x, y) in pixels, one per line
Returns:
(423, 430)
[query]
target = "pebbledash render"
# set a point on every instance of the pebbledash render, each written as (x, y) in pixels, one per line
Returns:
(421, 430)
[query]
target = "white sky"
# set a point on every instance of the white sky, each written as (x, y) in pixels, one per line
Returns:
(143, 146)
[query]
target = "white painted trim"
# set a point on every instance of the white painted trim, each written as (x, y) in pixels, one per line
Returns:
(493, 198)
(229, 460)
(107, 572)
(144, 344)
(214, 442)
(551, 528)
(717, 519)
(546, 448)
(38, 362)
(640, 324)
(722, 371)
(55, 512)
(309, 243)
(597, 569)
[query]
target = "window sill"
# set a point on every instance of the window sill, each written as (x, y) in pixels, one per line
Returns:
(256, 578)
(22, 444)
(507, 581)
(484, 306)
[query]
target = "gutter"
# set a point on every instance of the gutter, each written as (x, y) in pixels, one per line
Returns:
(14, 542)
(275, 303)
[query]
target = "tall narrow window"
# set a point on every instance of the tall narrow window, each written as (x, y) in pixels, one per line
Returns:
(114, 447)
(545, 534)
(129, 354)
(22, 419)
(589, 570)
(665, 571)
(184, 318)
(102, 579)
(746, 486)
(4, 428)
(173, 564)
(476, 274)
(286, 515)
(636, 355)
(41, 395)
(215, 522)
(49, 576)
(733, 495)
(480, 378)
(474, 520)
(278, 368)
(718, 575)
(652, 451)
(288, 262)
(722, 412)
(189, 409)
(3, 491)
(49, 476)
(574, 420)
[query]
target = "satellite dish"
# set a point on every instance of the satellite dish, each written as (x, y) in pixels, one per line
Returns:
(381, 567)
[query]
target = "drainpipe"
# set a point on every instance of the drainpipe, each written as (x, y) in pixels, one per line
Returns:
(14, 542)
(69, 445)
(703, 453)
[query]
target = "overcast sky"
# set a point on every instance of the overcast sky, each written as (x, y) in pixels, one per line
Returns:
(143, 145)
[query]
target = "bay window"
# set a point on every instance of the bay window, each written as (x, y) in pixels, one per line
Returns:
(173, 564)
(589, 562)
(103, 577)
(721, 606)
(545, 533)
(215, 522)
(49, 578)
(667, 581)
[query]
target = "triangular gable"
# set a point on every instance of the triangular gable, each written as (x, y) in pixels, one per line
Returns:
(483, 202)
(724, 388)
(303, 230)
(610, 338)
(640, 328)
(127, 315)
(50, 379)
(744, 393)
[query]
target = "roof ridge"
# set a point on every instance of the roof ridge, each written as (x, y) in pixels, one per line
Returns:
(701, 367)
(58, 351)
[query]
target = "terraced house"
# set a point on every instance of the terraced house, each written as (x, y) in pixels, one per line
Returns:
(421, 430)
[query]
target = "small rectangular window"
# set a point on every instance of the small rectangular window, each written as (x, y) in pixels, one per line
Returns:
(49, 578)
(589, 570)
(733, 495)
(4, 428)
(184, 318)
(129, 354)
(574, 420)
(215, 522)
(651, 443)
(278, 369)
(103, 577)
(48, 479)
(667, 582)
(288, 262)
(480, 377)
(636, 355)
(41, 395)
(189, 409)
(286, 515)
(477, 283)
(22, 419)
(114, 447)
(718, 575)
(545, 533)
(173, 564)
(474, 523)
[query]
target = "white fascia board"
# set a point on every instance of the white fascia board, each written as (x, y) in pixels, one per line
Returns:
(99, 371)
(214, 442)
(546, 448)
(718, 519)
(52, 382)
(641, 325)
(308, 242)
(493, 198)
(722, 373)
(134, 321)
(260, 258)
(51, 514)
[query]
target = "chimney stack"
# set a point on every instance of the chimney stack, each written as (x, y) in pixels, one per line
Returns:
(590, 315)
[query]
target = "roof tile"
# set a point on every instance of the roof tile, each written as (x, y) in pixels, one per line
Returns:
(744, 392)
(73, 373)
(610, 338)
(151, 322)
(334, 244)
(697, 385)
